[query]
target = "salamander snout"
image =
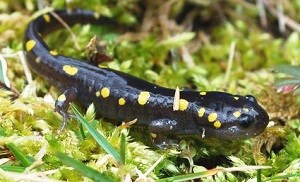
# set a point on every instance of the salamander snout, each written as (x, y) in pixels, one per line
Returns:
(252, 121)
(232, 116)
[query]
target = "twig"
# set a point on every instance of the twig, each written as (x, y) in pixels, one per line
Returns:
(288, 21)
(230, 62)
(73, 36)
(280, 15)
(27, 72)
(262, 13)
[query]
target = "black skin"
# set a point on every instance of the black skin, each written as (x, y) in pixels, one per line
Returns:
(157, 113)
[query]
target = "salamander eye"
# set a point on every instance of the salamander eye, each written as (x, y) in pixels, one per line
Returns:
(251, 98)
(246, 121)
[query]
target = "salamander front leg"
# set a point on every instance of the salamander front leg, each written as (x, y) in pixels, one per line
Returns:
(63, 102)
(159, 129)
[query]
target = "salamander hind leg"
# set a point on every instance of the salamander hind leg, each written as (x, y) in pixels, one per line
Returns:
(160, 129)
(63, 102)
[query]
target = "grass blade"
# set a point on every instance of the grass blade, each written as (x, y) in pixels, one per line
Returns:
(97, 136)
(258, 176)
(19, 155)
(18, 169)
(210, 172)
(122, 148)
(191, 176)
(82, 168)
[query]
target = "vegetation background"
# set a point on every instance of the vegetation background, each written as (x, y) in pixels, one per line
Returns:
(236, 46)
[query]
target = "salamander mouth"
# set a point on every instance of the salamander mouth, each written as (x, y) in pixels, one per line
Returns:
(235, 132)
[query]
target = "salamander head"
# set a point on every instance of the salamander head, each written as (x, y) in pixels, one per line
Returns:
(227, 116)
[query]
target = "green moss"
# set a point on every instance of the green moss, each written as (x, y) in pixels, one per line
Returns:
(286, 157)
(70, 174)
(30, 123)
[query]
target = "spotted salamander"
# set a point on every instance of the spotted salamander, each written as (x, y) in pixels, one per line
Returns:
(122, 97)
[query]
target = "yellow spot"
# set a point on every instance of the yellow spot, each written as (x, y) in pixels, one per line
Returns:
(212, 116)
(98, 93)
(153, 135)
(105, 92)
(46, 18)
(217, 124)
(143, 98)
(245, 109)
(70, 70)
(61, 98)
(202, 93)
(30, 45)
(122, 101)
(201, 111)
(53, 53)
(237, 114)
(236, 98)
(183, 104)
